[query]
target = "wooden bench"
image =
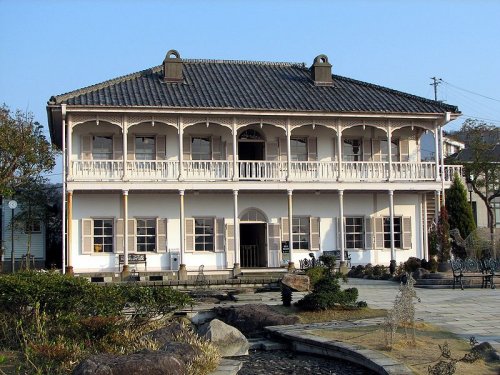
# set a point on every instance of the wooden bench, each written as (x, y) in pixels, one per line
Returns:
(133, 259)
(468, 268)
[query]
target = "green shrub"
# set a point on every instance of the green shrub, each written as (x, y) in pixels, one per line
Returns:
(328, 261)
(328, 294)
(315, 274)
(412, 264)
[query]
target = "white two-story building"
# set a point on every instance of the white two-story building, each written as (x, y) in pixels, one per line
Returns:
(215, 163)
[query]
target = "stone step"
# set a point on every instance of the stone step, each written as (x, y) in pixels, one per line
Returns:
(228, 367)
(267, 345)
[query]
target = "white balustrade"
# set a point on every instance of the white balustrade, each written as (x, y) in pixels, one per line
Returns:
(451, 170)
(152, 170)
(406, 171)
(262, 170)
(207, 170)
(313, 171)
(364, 171)
(97, 169)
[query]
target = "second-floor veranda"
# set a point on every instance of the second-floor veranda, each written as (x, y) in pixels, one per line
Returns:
(232, 150)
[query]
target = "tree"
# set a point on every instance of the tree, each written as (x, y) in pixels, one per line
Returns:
(443, 236)
(459, 209)
(25, 152)
(481, 162)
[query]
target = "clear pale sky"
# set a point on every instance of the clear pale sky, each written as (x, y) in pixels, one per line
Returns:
(52, 47)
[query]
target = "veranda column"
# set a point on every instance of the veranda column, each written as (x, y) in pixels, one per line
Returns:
(436, 153)
(64, 194)
(124, 147)
(290, 227)
(391, 225)
(125, 270)
(182, 266)
(236, 228)
(389, 154)
(235, 156)
(288, 153)
(69, 264)
(339, 153)
(181, 156)
(437, 208)
(424, 212)
(69, 146)
(342, 264)
(441, 154)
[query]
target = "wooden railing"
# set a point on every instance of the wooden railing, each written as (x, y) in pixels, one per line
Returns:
(223, 170)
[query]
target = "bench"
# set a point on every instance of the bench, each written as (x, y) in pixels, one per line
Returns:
(468, 268)
(133, 259)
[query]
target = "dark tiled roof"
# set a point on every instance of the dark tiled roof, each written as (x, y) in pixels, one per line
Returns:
(467, 154)
(250, 86)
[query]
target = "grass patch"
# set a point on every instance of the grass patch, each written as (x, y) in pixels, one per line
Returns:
(419, 357)
(331, 314)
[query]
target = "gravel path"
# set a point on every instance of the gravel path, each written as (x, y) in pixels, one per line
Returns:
(278, 362)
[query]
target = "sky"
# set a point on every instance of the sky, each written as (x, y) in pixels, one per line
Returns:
(54, 46)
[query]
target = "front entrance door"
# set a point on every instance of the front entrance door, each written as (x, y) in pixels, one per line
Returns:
(253, 245)
(248, 150)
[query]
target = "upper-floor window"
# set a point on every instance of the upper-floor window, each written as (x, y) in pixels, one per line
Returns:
(145, 148)
(146, 234)
(351, 150)
(384, 150)
(201, 148)
(301, 232)
(102, 147)
(354, 232)
(103, 235)
(397, 232)
(298, 148)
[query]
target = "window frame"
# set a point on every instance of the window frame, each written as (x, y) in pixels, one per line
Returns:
(355, 234)
(351, 156)
(103, 236)
(384, 157)
(296, 156)
(31, 227)
(204, 235)
(147, 236)
(398, 236)
(195, 155)
(300, 243)
(96, 156)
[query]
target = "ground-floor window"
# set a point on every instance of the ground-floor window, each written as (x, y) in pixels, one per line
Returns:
(204, 234)
(35, 226)
(103, 235)
(146, 234)
(301, 233)
(354, 230)
(496, 209)
(397, 232)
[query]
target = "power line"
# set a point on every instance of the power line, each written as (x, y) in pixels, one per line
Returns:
(469, 91)
(435, 83)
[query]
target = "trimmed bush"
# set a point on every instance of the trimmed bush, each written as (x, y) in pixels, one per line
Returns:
(328, 294)
(412, 264)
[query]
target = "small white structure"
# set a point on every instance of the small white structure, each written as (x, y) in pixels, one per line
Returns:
(216, 162)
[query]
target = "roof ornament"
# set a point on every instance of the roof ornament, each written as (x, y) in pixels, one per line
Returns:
(322, 71)
(172, 67)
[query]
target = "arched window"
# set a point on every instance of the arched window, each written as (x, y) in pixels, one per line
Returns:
(251, 135)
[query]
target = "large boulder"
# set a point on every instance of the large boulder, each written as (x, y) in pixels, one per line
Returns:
(227, 339)
(252, 318)
(297, 283)
(171, 332)
(144, 362)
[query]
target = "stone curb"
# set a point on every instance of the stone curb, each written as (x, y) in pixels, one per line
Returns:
(302, 341)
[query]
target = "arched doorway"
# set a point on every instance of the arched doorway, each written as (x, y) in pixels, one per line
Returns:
(253, 234)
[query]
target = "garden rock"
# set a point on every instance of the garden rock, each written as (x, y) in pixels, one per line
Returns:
(171, 332)
(144, 362)
(182, 350)
(298, 283)
(486, 351)
(227, 339)
(251, 319)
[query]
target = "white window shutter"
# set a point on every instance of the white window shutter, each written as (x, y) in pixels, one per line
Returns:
(86, 147)
(312, 149)
(377, 153)
(131, 234)
(161, 145)
(404, 150)
(229, 150)
(367, 149)
(368, 233)
(189, 229)
(219, 235)
(406, 235)
(117, 147)
(285, 235)
(314, 243)
(119, 236)
(274, 244)
(379, 232)
(87, 236)
(186, 147)
(282, 147)
(131, 147)
(334, 149)
(216, 148)
(161, 235)
(272, 150)
(229, 244)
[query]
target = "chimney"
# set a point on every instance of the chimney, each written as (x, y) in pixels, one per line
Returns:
(322, 71)
(172, 67)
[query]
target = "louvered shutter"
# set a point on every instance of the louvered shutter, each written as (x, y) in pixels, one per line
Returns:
(337, 232)
(119, 238)
(86, 147)
(161, 235)
(406, 232)
(87, 237)
(314, 244)
(161, 144)
(131, 147)
(376, 150)
(131, 231)
(219, 235)
(274, 244)
(117, 147)
(216, 148)
(272, 151)
(282, 147)
(404, 150)
(367, 149)
(229, 150)
(223, 150)
(229, 244)
(285, 235)
(368, 233)
(312, 149)
(334, 149)
(189, 234)
(186, 147)
(379, 232)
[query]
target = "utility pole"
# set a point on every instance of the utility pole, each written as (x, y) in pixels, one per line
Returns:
(435, 83)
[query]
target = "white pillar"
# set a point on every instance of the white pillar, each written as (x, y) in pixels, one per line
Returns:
(125, 149)
(125, 228)
(389, 153)
(182, 226)
(341, 224)
(65, 180)
(437, 208)
(290, 221)
(288, 152)
(181, 154)
(235, 152)
(441, 153)
(69, 145)
(236, 228)
(339, 153)
(391, 213)
(436, 148)
(426, 246)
